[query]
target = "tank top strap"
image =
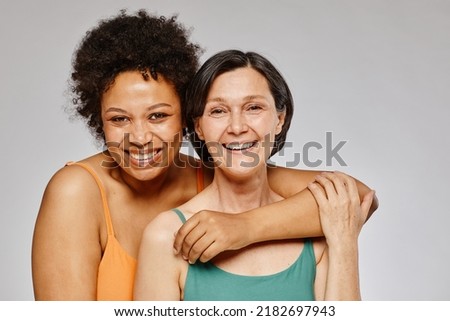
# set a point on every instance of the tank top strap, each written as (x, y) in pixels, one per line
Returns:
(308, 251)
(107, 213)
(309, 247)
(200, 179)
(180, 215)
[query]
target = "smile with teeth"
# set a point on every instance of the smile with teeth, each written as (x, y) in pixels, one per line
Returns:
(143, 157)
(239, 146)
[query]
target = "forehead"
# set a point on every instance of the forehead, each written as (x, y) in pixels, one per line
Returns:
(238, 82)
(131, 86)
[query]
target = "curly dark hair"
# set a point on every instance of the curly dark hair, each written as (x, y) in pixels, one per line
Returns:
(125, 42)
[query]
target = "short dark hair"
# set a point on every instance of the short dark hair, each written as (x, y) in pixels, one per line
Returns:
(129, 42)
(223, 62)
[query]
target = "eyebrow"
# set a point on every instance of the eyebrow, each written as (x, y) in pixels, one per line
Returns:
(120, 110)
(246, 98)
(253, 97)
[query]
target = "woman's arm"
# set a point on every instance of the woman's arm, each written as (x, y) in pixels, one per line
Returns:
(158, 270)
(342, 216)
(300, 217)
(208, 233)
(288, 182)
(66, 250)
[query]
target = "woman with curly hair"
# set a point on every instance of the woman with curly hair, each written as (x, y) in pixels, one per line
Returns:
(129, 77)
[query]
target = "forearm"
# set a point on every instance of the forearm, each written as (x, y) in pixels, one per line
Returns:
(343, 274)
(294, 217)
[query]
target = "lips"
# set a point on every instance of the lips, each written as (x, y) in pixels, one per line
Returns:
(236, 146)
(142, 158)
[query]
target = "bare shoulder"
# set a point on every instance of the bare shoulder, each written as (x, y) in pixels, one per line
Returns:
(76, 180)
(71, 195)
(72, 182)
(162, 228)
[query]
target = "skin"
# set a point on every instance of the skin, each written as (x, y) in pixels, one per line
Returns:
(70, 233)
(240, 108)
(208, 233)
(342, 218)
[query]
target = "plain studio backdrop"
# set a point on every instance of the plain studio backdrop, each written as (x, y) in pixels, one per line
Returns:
(375, 75)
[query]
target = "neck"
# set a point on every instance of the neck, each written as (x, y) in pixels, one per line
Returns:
(237, 194)
(150, 188)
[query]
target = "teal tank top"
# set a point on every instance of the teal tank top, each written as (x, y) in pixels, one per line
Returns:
(207, 282)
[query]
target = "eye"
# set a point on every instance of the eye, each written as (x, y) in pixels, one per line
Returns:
(217, 111)
(254, 108)
(157, 116)
(119, 119)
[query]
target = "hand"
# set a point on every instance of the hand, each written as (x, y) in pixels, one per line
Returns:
(208, 233)
(342, 214)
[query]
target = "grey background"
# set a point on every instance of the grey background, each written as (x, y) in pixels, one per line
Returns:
(374, 73)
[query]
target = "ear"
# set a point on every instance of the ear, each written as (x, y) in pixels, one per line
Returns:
(281, 118)
(198, 128)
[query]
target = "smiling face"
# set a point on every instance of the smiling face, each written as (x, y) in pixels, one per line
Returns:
(142, 124)
(240, 121)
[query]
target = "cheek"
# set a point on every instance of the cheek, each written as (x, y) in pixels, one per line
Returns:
(113, 134)
(212, 129)
(214, 133)
(171, 131)
(266, 127)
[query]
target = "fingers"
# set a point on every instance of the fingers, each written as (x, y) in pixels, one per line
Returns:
(199, 248)
(318, 193)
(190, 240)
(367, 203)
(350, 184)
(328, 186)
(191, 248)
(341, 212)
(338, 185)
(210, 252)
(179, 244)
(197, 238)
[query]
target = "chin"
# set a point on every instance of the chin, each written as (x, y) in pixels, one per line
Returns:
(146, 174)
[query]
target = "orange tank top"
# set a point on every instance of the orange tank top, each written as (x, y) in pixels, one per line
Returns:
(117, 269)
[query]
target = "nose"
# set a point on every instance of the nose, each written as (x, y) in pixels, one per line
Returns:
(141, 134)
(238, 123)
